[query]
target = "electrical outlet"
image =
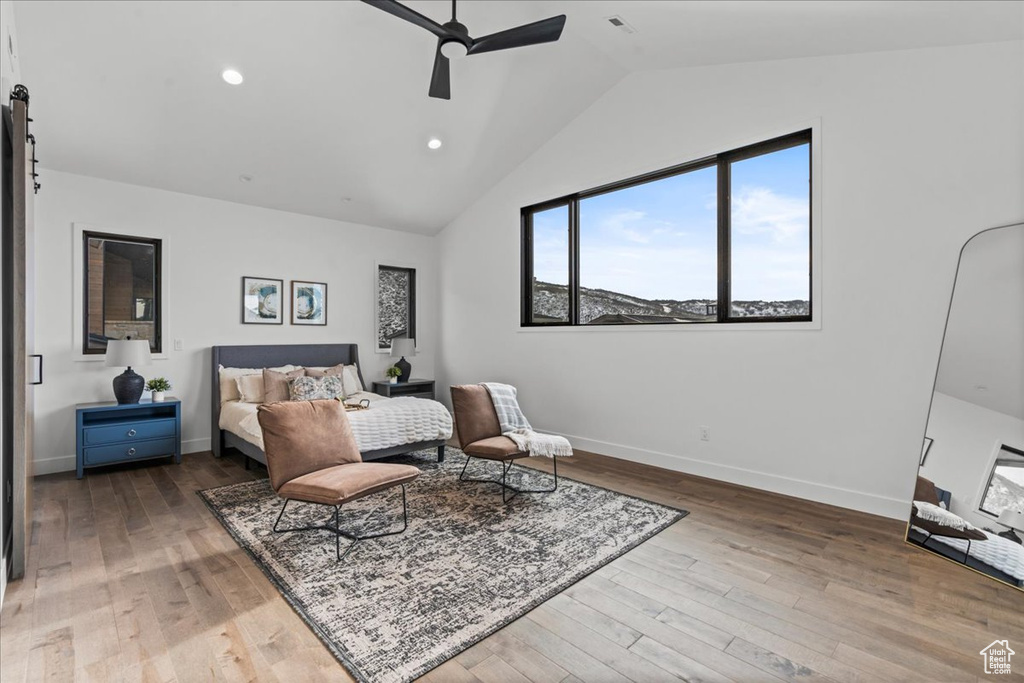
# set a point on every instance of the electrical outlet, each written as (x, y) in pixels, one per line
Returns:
(179, 344)
(705, 433)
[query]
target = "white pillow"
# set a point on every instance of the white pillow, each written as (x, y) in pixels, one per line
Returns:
(933, 513)
(229, 376)
(251, 388)
(350, 377)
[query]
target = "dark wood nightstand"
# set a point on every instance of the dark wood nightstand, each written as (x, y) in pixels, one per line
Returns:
(420, 388)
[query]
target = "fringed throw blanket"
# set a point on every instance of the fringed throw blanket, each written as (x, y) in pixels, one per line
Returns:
(515, 426)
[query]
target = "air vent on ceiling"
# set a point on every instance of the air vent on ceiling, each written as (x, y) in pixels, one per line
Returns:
(621, 24)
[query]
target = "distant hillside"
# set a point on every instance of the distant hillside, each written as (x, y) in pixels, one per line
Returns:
(1003, 494)
(551, 301)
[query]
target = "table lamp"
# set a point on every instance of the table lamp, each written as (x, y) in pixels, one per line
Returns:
(400, 348)
(1014, 520)
(124, 353)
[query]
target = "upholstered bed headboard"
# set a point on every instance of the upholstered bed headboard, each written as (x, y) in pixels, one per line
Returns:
(271, 356)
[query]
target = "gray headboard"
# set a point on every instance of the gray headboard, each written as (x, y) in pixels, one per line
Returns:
(272, 356)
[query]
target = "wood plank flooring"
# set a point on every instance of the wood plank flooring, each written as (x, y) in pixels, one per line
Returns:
(130, 578)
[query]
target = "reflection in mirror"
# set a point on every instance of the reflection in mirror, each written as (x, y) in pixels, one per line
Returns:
(969, 499)
(122, 278)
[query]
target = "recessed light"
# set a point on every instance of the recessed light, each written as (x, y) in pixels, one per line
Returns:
(434, 143)
(231, 76)
(245, 178)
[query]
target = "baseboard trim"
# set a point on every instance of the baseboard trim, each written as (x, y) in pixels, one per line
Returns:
(66, 463)
(799, 488)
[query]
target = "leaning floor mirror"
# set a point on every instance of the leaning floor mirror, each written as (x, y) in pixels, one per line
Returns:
(969, 498)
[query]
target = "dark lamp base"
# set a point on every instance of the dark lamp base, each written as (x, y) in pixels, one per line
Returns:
(128, 387)
(406, 369)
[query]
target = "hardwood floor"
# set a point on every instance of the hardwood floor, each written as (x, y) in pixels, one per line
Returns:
(130, 578)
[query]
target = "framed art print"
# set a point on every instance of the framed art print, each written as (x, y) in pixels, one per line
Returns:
(261, 301)
(309, 303)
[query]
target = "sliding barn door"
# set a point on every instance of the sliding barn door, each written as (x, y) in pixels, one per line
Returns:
(18, 326)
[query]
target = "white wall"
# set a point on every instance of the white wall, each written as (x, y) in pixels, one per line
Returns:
(919, 150)
(209, 245)
(966, 439)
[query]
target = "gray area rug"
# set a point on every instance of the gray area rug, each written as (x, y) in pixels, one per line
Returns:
(399, 606)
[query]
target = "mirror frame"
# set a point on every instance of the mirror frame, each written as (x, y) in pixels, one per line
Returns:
(931, 401)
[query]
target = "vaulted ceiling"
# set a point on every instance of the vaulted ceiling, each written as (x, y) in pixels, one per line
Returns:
(333, 117)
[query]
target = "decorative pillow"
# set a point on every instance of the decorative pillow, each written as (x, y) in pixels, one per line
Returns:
(229, 376)
(314, 388)
(350, 376)
(335, 371)
(250, 388)
(934, 513)
(275, 384)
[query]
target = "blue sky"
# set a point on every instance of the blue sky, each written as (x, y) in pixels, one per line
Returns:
(659, 240)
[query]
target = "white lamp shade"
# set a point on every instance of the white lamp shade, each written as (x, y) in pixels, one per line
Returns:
(126, 353)
(403, 347)
(1013, 519)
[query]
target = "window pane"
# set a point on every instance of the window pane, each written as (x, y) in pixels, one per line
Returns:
(649, 253)
(396, 304)
(1006, 488)
(121, 292)
(550, 285)
(771, 234)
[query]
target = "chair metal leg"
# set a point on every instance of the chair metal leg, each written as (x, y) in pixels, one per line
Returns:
(338, 531)
(506, 467)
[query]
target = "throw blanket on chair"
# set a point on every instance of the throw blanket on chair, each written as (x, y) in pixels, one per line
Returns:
(515, 426)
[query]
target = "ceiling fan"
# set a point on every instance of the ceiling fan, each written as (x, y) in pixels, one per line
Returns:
(453, 39)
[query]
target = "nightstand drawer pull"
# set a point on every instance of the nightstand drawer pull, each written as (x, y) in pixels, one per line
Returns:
(153, 448)
(130, 431)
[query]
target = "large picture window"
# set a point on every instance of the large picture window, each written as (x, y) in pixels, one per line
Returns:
(1005, 489)
(721, 239)
(122, 291)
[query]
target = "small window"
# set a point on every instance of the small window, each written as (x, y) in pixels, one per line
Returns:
(722, 239)
(1005, 489)
(396, 304)
(122, 291)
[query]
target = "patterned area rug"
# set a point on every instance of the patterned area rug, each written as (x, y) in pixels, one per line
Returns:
(399, 606)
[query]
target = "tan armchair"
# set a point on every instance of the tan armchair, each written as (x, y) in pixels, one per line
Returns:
(479, 434)
(312, 457)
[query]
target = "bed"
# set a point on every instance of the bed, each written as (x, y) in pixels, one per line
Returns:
(981, 550)
(391, 426)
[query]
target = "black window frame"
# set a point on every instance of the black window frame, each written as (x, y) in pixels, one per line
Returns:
(992, 473)
(723, 163)
(156, 243)
(411, 332)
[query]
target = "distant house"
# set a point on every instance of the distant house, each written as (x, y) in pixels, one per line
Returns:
(997, 657)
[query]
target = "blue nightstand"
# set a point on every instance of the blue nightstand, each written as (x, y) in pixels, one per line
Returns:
(110, 433)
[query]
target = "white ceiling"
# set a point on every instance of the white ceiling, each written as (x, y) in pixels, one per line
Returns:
(335, 104)
(984, 343)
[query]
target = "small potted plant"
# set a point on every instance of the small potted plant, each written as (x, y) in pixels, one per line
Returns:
(393, 374)
(158, 385)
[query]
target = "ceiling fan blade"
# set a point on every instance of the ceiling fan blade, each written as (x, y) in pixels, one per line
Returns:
(544, 31)
(410, 15)
(441, 79)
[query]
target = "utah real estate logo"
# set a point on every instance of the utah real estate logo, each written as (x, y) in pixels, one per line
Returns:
(997, 657)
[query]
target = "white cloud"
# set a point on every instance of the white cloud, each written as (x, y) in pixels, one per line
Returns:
(759, 210)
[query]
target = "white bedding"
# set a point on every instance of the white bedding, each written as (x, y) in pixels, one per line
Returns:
(1003, 554)
(388, 422)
